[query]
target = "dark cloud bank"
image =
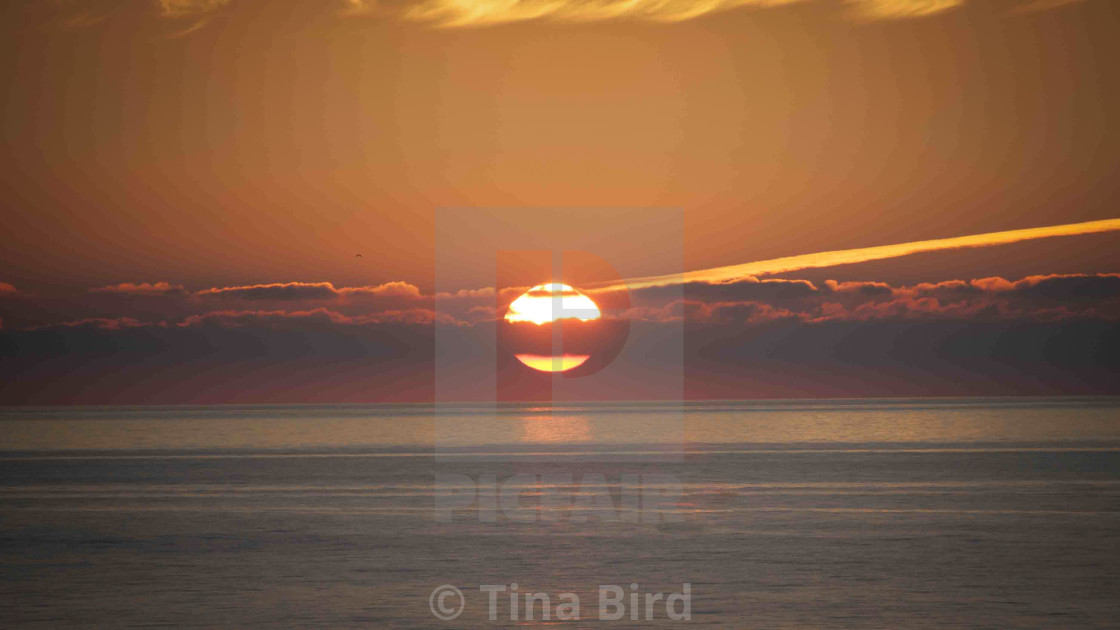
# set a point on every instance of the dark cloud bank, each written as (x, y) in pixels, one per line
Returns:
(755, 339)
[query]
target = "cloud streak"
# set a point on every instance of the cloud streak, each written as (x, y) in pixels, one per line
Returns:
(410, 317)
(274, 291)
(189, 8)
(459, 13)
(901, 9)
(142, 288)
(310, 291)
(193, 15)
(475, 13)
(736, 273)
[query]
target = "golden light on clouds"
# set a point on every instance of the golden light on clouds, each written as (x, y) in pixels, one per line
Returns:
(187, 8)
(464, 13)
(452, 13)
(475, 13)
(732, 273)
(900, 9)
(198, 11)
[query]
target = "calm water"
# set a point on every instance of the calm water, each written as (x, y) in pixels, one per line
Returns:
(992, 513)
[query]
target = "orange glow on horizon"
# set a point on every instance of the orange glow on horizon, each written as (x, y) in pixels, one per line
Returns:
(555, 429)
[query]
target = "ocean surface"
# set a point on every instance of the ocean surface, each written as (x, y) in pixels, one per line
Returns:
(947, 513)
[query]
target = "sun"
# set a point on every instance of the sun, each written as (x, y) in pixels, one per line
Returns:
(547, 303)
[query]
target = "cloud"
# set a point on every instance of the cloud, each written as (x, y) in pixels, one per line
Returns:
(411, 317)
(200, 12)
(101, 323)
(274, 291)
(1057, 334)
(1049, 297)
(750, 301)
(1103, 286)
(319, 356)
(143, 288)
(859, 288)
(268, 318)
(287, 291)
(389, 289)
(452, 13)
(473, 13)
(83, 19)
(359, 7)
(900, 9)
(740, 272)
(192, 15)
(471, 294)
(268, 359)
(189, 8)
(903, 357)
(748, 288)
(712, 313)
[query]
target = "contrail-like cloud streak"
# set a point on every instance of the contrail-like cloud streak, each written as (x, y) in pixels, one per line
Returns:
(732, 273)
(473, 13)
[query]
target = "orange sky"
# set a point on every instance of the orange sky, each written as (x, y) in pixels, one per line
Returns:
(174, 167)
(277, 139)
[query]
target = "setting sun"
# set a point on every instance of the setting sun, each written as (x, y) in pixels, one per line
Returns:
(547, 303)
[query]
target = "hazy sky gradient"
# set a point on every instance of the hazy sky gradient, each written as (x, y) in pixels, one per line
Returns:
(184, 176)
(132, 155)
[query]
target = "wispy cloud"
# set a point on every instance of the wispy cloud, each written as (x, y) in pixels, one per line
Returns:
(310, 291)
(99, 323)
(275, 291)
(359, 7)
(733, 273)
(83, 19)
(468, 13)
(388, 289)
(192, 15)
(189, 8)
(143, 288)
(410, 317)
(457, 13)
(197, 12)
(7, 289)
(900, 9)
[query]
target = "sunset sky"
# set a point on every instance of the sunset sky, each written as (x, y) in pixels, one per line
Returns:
(187, 186)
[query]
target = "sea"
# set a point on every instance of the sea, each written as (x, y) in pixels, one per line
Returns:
(915, 513)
